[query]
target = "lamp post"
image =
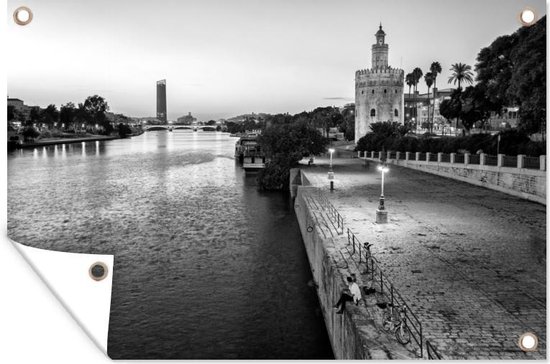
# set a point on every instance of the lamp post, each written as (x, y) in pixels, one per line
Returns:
(330, 172)
(381, 213)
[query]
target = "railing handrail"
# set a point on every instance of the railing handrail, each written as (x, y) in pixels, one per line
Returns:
(432, 353)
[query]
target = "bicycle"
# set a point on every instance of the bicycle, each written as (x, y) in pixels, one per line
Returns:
(394, 320)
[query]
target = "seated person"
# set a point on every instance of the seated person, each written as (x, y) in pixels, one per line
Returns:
(352, 293)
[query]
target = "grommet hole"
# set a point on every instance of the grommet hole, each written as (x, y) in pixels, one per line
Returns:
(528, 17)
(528, 342)
(22, 15)
(98, 271)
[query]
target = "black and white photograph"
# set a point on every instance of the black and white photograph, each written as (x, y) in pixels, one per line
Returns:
(288, 179)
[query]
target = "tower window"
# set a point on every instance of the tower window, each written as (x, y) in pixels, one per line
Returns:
(372, 112)
(395, 91)
(373, 91)
(363, 92)
(385, 91)
(396, 112)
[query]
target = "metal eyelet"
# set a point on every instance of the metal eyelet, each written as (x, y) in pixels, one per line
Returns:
(22, 15)
(98, 271)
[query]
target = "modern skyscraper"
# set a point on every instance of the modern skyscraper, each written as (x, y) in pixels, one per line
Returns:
(161, 101)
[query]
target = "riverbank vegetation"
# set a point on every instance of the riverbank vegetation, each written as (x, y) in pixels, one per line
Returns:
(390, 136)
(69, 121)
(285, 141)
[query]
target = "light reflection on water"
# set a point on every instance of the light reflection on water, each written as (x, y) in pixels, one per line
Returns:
(205, 265)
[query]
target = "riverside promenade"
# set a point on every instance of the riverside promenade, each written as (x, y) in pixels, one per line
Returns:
(470, 262)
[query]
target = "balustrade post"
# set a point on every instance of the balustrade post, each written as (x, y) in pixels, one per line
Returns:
(428, 156)
(482, 159)
(521, 161)
(466, 159)
(439, 157)
(388, 155)
(542, 163)
(417, 156)
(453, 157)
(407, 156)
(397, 155)
(500, 160)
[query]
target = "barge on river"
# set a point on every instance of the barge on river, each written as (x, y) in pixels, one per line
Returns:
(249, 154)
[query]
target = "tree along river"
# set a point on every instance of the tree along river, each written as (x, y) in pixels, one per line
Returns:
(206, 266)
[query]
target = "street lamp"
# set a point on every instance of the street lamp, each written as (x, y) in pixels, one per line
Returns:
(381, 213)
(330, 172)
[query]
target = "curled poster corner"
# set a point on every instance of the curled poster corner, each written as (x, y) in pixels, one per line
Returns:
(68, 277)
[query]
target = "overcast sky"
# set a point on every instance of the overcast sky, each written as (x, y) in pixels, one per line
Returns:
(226, 57)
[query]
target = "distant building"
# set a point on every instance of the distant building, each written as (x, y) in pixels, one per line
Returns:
(20, 106)
(416, 107)
(186, 120)
(508, 118)
(378, 90)
(416, 111)
(161, 101)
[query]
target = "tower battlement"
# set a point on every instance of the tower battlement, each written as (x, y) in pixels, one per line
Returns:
(389, 70)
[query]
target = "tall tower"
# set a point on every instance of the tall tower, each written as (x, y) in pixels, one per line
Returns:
(161, 101)
(380, 50)
(378, 90)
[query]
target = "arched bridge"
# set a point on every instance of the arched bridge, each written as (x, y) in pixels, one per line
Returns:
(176, 127)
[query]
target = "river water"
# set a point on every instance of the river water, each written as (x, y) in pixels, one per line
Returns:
(206, 266)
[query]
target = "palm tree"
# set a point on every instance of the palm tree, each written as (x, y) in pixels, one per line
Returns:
(417, 75)
(429, 79)
(461, 73)
(409, 80)
(435, 69)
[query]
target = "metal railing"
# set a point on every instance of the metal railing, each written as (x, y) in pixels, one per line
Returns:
(394, 298)
(474, 159)
(508, 161)
(459, 158)
(433, 157)
(531, 162)
(491, 160)
(432, 353)
(446, 158)
(332, 213)
(358, 248)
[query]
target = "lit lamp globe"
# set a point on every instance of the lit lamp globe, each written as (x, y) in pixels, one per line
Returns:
(381, 213)
(330, 172)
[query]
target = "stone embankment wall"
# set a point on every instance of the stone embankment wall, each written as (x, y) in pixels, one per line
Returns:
(529, 184)
(354, 334)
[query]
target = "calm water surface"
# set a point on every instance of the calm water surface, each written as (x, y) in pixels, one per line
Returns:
(206, 266)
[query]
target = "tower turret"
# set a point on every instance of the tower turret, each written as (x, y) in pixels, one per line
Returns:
(380, 50)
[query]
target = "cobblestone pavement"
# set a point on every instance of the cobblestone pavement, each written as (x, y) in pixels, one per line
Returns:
(470, 261)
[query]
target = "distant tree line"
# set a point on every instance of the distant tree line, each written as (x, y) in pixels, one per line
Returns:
(87, 116)
(322, 118)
